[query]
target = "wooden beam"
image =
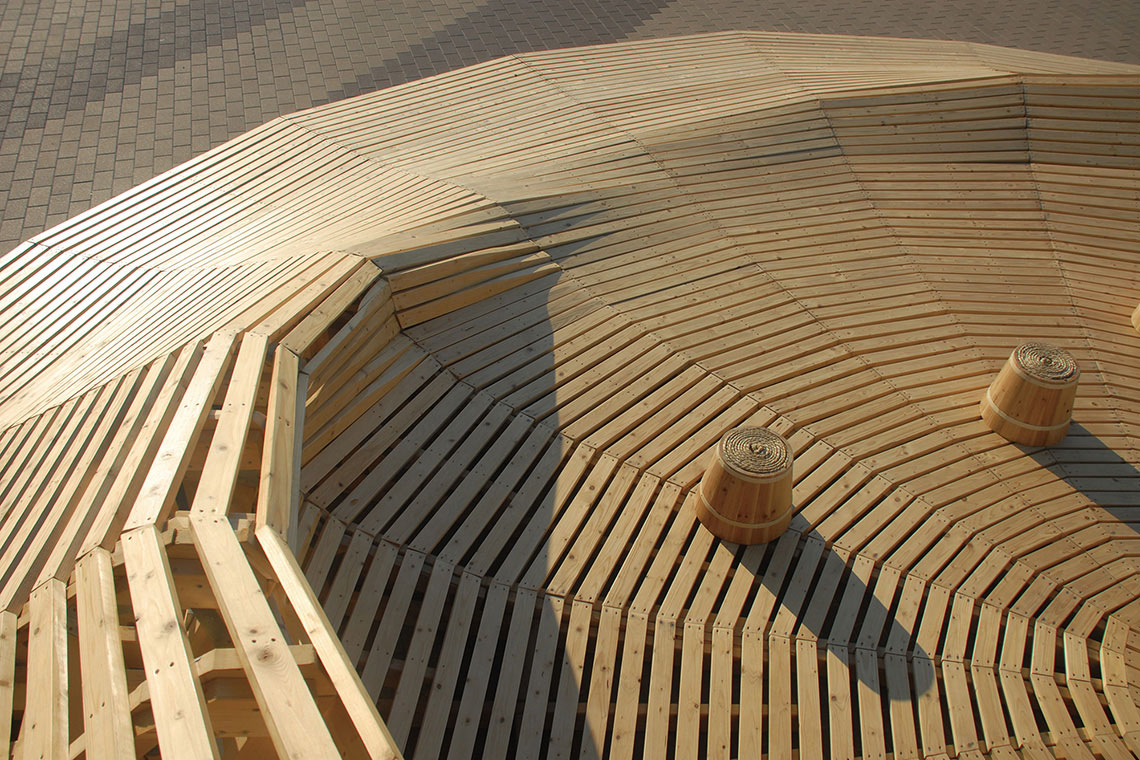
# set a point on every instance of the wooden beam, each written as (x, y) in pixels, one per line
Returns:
(7, 678)
(44, 733)
(223, 459)
(360, 707)
(156, 498)
(106, 705)
(287, 706)
(278, 498)
(181, 717)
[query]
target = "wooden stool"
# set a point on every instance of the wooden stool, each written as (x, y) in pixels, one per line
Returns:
(746, 492)
(1031, 400)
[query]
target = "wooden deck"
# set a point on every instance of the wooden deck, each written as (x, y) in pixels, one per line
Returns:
(375, 431)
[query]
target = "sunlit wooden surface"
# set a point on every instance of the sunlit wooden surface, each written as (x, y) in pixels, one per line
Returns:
(377, 429)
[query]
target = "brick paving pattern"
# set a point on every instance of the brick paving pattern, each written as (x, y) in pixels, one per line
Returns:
(96, 97)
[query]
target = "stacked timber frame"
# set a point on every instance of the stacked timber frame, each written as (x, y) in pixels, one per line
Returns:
(376, 431)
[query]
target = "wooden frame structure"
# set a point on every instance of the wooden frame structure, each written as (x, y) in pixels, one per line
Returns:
(395, 407)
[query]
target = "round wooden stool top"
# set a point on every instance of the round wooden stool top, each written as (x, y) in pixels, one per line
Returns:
(1031, 399)
(746, 492)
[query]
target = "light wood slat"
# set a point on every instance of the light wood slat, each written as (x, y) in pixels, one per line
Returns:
(568, 689)
(458, 475)
(343, 585)
(107, 716)
(156, 496)
(278, 496)
(374, 311)
(290, 311)
(290, 713)
(328, 420)
(360, 708)
(145, 439)
(26, 554)
(62, 548)
(497, 488)
(367, 427)
(581, 552)
(368, 600)
(324, 553)
(384, 644)
(18, 452)
(602, 680)
(1113, 670)
(447, 670)
(223, 459)
(419, 651)
(533, 719)
(317, 321)
(8, 625)
(44, 732)
(721, 694)
(476, 684)
(181, 715)
(657, 723)
(628, 697)
(504, 706)
(425, 450)
(39, 466)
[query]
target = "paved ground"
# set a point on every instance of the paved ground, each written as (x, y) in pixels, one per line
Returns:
(99, 95)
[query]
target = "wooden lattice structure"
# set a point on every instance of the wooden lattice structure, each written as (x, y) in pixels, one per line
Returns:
(400, 403)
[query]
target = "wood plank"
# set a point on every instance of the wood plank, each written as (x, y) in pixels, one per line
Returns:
(571, 678)
(534, 720)
(156, 496)
(391, 623)
(8, 625)
(368, 601)
(659, 708)
(360, 707)
(279, 493)
(504, 709)
(223, 459)
(28, 550)
(480, 670)
(602, 678)
(181, 716)
(44, 732)
(145, 439)
(287, 707)
(317, 321)
(107, 715)
(415, 663)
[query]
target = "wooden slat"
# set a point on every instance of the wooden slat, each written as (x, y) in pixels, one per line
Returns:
(107, 717)
(223, 458)
(278, 497)
(290, 713)
(180, 711)
(44, 732)
(8, 623)
(156, 497)
(301, 337)
(145, 439)
(360, 707)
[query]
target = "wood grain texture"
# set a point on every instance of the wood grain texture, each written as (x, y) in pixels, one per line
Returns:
(421, 385)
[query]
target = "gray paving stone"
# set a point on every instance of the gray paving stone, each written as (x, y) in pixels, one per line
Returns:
(96, 96)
